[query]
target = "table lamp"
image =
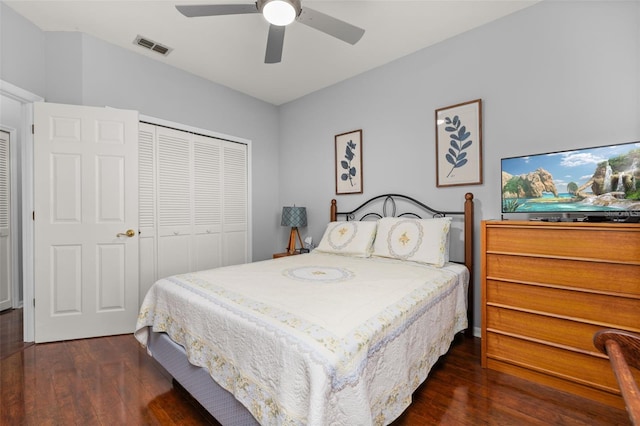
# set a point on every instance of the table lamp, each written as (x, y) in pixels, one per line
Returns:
(294, 217)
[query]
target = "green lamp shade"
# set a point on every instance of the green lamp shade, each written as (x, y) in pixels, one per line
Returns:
(294, 216)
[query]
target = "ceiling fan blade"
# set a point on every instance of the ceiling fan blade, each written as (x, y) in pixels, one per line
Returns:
(274, 44)
(330, 25)
(192, 11)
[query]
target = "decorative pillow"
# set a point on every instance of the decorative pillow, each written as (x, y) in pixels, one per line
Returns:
(349, 238)
(418, 240)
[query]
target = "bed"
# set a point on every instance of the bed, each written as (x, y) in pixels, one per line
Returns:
(342, 335)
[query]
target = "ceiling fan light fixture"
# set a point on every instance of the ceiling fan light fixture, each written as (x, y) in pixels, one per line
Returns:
(280, 12)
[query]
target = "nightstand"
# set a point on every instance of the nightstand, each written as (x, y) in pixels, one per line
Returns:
(284, 254)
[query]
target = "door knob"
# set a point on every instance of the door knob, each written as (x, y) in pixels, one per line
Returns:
(130, 233)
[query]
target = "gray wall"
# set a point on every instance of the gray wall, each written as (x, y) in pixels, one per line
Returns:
(557, 75)
(79, 69)
(22, 47)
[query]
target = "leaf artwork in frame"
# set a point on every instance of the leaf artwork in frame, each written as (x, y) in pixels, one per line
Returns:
(348, 150)
(456, 155)
(459, 144)
(349, 170)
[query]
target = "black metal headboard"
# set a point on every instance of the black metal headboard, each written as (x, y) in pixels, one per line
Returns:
(387, 206)
(390, 209)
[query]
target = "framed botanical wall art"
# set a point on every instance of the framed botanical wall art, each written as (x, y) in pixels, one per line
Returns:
(459, 144)
(349, 163)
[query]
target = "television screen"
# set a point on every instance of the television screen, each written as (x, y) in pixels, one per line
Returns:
(601, 179)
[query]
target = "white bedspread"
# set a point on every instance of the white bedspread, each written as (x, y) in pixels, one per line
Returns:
(315, 339)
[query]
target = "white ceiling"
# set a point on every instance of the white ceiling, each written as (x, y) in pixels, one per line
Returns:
(229, 50)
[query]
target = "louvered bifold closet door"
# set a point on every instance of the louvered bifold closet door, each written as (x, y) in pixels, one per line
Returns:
(147, 207)
(193, 203)
(207, 197)
(5, 242)
(235, 209)
(174, 198)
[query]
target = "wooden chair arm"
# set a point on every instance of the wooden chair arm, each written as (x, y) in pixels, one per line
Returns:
(623, 349)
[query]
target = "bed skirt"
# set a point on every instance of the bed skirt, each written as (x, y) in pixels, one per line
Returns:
(197, 381)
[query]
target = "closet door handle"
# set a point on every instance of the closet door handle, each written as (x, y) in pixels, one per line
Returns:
(130, 233)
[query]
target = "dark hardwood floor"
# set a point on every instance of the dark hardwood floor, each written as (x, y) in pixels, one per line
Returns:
(11, 332)
(112, 381)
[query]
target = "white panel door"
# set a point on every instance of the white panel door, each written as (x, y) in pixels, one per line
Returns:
(86, 199)
(5, 225)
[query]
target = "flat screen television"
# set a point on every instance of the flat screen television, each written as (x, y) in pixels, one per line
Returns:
(602, 181)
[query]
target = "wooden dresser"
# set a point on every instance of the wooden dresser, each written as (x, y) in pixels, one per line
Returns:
(547, 287)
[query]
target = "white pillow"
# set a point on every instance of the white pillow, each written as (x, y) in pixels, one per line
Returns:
(418, 240)
(349, 238)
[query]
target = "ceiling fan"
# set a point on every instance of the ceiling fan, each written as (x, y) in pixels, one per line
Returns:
(280, 13)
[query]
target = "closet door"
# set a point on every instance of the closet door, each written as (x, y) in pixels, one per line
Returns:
(174, 199)
(192, 201)
(5, 240)
(207, 197)
(235, 215)
(147, 207)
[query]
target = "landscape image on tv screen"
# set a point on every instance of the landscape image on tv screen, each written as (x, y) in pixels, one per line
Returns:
(600, 179)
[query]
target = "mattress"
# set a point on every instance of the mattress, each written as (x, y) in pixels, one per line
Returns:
(313, 339)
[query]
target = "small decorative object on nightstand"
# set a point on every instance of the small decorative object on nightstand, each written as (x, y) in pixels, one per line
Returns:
(294, 217)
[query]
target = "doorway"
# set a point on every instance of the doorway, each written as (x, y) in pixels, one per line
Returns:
(16, 112)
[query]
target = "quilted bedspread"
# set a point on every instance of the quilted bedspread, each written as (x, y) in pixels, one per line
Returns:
(315, 339)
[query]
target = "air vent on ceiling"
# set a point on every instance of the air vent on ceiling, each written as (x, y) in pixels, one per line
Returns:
(152, 45)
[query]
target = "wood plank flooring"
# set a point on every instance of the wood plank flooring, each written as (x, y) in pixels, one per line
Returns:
(112, 381)
(11, 332)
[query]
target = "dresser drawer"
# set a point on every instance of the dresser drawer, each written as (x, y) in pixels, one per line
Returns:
(605, 277)
(586, 369)
(599, 308)
(608, 244)
(572, 334)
